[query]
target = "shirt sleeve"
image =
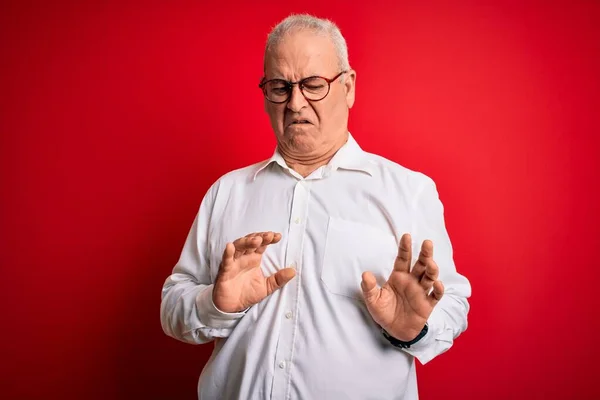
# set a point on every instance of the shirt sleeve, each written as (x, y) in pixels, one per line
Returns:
(449, 317)
(187, 312)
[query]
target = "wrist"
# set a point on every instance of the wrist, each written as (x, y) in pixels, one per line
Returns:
(405, 344)
(404, 335)
(225, 305)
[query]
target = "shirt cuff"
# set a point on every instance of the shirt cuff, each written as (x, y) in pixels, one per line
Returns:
(438, 339)
(211, 316)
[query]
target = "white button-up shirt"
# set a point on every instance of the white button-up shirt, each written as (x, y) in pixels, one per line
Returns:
(314, 338)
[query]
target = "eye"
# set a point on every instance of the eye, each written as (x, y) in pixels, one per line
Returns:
(278, 87)
(279, 90)
(314, 87)
(314, 84)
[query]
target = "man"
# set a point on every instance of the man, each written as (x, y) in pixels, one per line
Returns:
(314, 272)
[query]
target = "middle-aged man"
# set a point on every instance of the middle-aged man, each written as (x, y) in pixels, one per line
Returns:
(314, 271)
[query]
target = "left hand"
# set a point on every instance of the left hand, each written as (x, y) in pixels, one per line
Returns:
(403, 304)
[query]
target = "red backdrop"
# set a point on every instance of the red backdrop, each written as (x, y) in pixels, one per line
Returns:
(116, 118)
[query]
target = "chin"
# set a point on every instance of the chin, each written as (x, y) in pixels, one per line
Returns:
(300, 141)
(304, 145)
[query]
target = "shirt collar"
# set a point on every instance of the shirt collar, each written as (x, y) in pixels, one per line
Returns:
(350, 157)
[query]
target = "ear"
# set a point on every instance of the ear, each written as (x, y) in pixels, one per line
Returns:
(350, 87)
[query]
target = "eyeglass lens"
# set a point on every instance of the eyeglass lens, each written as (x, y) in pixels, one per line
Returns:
(313, 88)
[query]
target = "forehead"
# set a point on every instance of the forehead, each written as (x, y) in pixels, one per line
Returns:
(300, 54)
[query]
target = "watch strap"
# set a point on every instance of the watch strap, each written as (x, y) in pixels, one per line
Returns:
(405, 345)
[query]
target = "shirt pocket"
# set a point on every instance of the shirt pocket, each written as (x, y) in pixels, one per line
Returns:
(352, 248)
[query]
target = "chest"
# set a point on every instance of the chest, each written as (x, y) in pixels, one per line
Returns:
(332, 230)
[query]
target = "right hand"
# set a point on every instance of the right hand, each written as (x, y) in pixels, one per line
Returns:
(240, 282)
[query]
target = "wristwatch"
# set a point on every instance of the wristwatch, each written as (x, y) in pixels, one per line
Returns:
(405, 345)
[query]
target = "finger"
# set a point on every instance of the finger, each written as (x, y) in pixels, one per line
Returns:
(239, 249)
(404, 256)
(432, 271)
(252, 244)
(280, 278)
(369, 287)
(244, 243)
(425, 256)
(240, 246)
(437, 293)
(228, 254)
(430, 275)
(268, 238)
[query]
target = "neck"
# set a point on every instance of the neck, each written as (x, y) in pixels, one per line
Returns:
(306, 164)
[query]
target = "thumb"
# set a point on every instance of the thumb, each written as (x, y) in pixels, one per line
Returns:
(280, 278)
(369, 287)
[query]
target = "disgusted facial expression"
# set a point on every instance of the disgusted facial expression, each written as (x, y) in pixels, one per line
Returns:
(305, 128)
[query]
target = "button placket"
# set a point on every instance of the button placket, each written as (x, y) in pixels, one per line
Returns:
(296, 230)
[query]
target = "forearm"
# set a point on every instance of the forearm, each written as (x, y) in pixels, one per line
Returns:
(188, 313)
(449, 316)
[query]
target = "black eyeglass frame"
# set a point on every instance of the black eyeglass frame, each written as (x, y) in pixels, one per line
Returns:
(290, 86)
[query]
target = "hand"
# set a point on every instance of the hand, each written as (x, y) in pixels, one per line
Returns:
(240, 282)
(403, 304)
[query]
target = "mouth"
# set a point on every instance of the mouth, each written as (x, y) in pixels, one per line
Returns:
(299, 122)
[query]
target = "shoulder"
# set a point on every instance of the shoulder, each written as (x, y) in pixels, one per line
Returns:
(241, 175)
(391, 171)
(235, 178)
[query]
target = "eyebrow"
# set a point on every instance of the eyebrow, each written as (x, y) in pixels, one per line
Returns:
(287, 80)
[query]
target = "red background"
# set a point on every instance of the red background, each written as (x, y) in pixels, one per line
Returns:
(116, 118)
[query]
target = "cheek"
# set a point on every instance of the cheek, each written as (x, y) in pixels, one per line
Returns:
(322, 112)
(329, 113)
(275, 114)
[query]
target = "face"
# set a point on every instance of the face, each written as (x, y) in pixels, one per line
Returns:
(307, 129)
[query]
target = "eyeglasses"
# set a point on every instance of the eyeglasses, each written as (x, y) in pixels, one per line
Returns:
(313, 88)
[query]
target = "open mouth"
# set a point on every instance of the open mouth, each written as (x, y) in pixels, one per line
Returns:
(300, 121)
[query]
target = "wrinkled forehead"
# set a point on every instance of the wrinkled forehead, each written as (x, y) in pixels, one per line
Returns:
(300, 54)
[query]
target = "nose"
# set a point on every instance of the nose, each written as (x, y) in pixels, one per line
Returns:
(297, 101)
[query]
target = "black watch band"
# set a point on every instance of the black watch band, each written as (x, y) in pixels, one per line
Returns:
(405, 345)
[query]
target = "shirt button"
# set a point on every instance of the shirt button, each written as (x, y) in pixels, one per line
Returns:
(282, 365)
(288, 315)
(298, 220)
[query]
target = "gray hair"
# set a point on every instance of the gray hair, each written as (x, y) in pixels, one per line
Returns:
(319, 26)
